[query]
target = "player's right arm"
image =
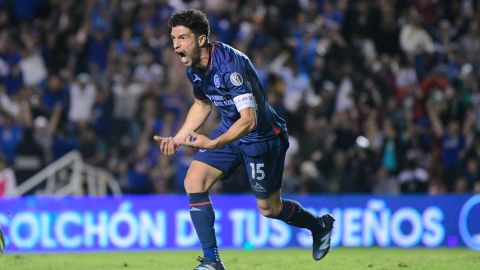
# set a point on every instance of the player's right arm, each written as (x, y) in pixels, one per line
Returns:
(197, 114)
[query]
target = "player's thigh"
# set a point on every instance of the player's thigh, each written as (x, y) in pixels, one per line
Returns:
(264, 163)
(200, 177)
(209, 166)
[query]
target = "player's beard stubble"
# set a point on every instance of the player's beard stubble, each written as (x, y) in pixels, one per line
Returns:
(195, 55)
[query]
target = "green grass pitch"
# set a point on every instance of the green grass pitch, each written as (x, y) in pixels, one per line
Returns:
(291, 259)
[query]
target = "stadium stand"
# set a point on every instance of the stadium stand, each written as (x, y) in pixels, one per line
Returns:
(380, 96)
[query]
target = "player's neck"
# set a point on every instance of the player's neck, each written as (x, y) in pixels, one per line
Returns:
(204, 57)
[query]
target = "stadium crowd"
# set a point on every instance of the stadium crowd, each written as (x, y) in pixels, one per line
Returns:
(380, 96)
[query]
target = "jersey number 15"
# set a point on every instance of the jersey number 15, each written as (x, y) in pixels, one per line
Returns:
(257, 171)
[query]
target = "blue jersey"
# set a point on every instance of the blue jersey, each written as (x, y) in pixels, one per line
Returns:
(230, 83)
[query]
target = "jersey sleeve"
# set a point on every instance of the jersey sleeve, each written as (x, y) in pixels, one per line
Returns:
(240, 88)
(197, 85)
(198, 92)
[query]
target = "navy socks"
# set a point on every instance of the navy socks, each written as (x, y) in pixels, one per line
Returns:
(294, 214)
(203, 217)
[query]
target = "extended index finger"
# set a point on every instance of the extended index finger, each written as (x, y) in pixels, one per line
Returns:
(158, 138)
(163, 143)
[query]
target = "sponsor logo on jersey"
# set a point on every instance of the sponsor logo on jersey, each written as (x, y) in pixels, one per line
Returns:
(220, 101)
(236, 79)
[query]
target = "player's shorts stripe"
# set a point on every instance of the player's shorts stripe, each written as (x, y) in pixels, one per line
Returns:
(201, 203)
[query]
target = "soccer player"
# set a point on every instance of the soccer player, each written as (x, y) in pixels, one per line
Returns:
(250, 134)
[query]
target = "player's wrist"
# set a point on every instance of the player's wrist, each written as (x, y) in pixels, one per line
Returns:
(177, 140)
(215, 143)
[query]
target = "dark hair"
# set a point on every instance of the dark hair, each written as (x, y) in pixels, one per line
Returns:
(193, 19)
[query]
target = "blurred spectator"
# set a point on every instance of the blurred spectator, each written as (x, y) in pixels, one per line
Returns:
(146, 71)
(461, 186)
(181, 162)
(476, 187)
(452, 142)
(470, 43)
(128, 43)
(102, 113)
(98, 45)
(296, 83)
(361, 169)
(126, 96)
(162, 176)
(11, 134)
(10, 57)
(291, 182)
(392, 151)
(344, 100)
(82, 99)
(138, 171)
(471, 173)
(43, 130)
(310, 179)
(386, 183)
(32, 64)
(413, 178)
(414, 40)
(92, 149)
(54, 94)
(338, 174)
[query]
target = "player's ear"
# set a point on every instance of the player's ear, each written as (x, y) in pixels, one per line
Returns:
(202, 40)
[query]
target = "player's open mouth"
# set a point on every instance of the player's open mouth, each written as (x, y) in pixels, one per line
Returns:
(183, 57)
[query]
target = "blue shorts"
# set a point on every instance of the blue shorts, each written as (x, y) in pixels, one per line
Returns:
(263, 161)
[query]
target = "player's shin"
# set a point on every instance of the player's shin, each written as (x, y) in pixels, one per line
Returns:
(294, 214)
(203, 218)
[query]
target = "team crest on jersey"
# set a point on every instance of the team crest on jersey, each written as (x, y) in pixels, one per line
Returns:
(216, 81)
(236, 79)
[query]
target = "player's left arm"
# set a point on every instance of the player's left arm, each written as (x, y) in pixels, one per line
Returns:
(245, 124)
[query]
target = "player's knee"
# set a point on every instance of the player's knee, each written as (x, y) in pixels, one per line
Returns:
(194, 185)
(269, 211)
